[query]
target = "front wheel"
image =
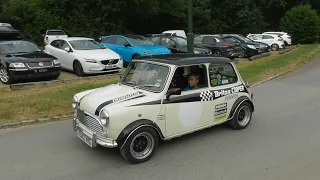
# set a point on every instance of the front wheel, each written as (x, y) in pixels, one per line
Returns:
(5, 76)
(77, 68)
(140, 146)
(242, 117)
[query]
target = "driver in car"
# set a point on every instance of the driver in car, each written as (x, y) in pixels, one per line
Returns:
(192, 82)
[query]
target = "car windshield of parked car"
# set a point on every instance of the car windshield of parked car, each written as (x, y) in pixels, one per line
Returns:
(148, 76)
(140, 41)
(14, 47)
(86, 45)
(56, 33)
(180, 41)
(245, 39)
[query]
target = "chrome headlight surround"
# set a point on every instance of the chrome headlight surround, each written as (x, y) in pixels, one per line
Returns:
(75, 102)
(104, 117)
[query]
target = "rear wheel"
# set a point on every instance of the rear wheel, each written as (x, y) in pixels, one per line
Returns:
(274, 47)
(242, 117)
(217, 53)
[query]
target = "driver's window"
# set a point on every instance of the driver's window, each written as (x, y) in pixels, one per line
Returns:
(222, 74)
(121, 41)
(64, 45)
(190, 78)
(167, 42)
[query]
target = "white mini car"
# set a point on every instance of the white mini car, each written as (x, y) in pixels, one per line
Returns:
(157, 99)
(84, 56)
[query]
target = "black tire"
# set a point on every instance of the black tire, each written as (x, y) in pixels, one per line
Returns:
(242, 117)
(144, 139)
(217, 53)
(274, 47)
(77, 68)
(5, 76)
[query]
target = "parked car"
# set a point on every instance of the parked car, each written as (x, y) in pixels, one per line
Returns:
(285, 36)
(23, 60)
(180, 33)
(250, 47)
(53, 34)
(219, 46)
(274, 41)
(177, 44)
(132, 46)
(84, 56)
(153, 101)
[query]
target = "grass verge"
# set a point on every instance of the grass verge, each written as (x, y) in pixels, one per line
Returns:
(56, 100)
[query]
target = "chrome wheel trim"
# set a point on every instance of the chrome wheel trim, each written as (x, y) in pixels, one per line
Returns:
(244, 115)
(4, 76)
(144, 142)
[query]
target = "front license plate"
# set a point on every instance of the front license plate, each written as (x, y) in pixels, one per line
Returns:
(237, 47)
(111, 67)
(43, 70)
(84, 138)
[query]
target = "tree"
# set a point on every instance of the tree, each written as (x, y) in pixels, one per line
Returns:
(302, 22)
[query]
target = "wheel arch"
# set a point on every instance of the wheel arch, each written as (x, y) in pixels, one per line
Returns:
(132, 127)
(237, 104)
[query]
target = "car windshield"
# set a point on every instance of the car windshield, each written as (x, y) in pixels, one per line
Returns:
(148, 76)
(138, 41)
(180, 41)
(86, 45)
(14, 47)
(245, 39)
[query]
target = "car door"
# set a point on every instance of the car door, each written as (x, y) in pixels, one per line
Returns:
(188, 111)
(170, 44)
(268, 39)
(117, 44)
(225, 90)
(66, 56)
(53, 48)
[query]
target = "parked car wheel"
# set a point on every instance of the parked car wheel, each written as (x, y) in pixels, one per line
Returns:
(274, 47)
(5, 76)
(217, 53)
(141, 145)
(242, 117)
(77, 68)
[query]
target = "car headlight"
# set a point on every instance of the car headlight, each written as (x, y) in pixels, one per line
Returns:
(56, 61)
(104, 117)
(17, 65)
(251, 46)
(90, 60)
(148, 52)
(197, 52)
(75, 102)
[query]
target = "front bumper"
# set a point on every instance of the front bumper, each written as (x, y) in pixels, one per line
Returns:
(96, 140)
(22, 74)
(95, 68)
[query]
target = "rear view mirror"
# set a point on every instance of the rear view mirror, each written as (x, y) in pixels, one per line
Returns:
(126, 44)
(67, 49)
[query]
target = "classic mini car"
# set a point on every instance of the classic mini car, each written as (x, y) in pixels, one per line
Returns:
(23, 60)
(154, 102)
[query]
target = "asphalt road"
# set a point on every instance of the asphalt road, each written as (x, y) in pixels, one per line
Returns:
(282, 143)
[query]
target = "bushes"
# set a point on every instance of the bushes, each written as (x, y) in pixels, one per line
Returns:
(303, 23)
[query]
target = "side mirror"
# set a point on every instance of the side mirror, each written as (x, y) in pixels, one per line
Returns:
(67, 49)
(173, 91)
(126, 44)
(43, 35)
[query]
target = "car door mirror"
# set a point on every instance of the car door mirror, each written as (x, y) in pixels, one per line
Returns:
(67, 49)
(126, 44)
(173, 91)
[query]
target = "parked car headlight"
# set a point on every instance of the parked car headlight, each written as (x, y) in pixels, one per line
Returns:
(251, 46)
(75, 102)
(90, 60)
(104, 117)
(56, 61)
(17, 65)
(148, 52)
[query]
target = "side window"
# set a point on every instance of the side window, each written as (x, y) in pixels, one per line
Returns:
(209, 40)
(56, 43)
(155, 40)
(109, 40)
(190, 78)
(257, 37)
(167, 42)
(198, 39)
(267, 37)
(121, 41)
(230, 40)
(222, 74)
(64, 45)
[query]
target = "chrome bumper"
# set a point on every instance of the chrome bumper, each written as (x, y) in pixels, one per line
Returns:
(106, 142)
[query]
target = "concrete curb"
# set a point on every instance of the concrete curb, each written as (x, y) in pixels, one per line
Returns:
(29, 85)
(259, 56)
(34, 121)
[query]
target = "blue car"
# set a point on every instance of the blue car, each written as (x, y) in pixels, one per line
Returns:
(132, 46)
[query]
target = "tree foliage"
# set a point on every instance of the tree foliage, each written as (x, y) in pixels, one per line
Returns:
(100, 17)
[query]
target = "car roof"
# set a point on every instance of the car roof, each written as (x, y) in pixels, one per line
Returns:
(180, 59)
(4, 29)
(76, 38)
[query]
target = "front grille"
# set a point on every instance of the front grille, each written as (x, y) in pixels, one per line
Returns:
(109, 62)
(36, 64)
(91, 123)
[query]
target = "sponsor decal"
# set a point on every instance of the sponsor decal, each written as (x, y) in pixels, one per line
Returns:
(220, 112)
(232, 96)
(127, 96)
(211, 95)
